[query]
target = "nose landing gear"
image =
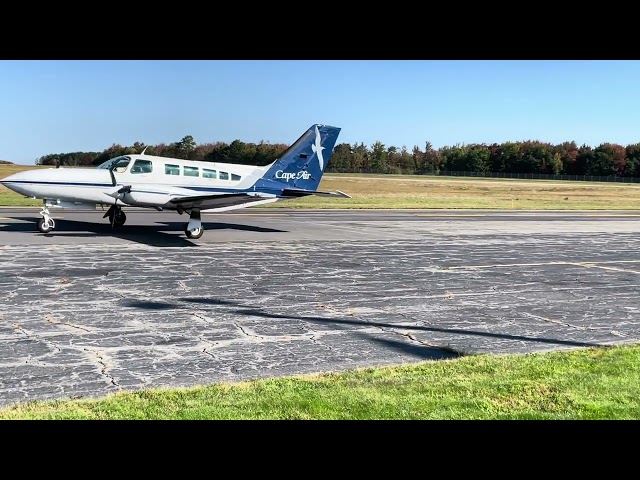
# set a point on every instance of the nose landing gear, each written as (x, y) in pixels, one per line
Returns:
(46, 224)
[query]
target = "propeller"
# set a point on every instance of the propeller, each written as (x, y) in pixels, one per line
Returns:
(122, 190)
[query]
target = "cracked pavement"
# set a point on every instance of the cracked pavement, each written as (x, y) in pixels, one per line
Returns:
(81, 317)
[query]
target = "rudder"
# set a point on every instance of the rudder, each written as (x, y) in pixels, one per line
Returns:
(304, 162)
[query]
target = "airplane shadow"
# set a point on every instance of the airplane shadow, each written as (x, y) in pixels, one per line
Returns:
(161, 234)
(422, 351)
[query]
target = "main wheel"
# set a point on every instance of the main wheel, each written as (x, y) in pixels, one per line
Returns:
(120, 218)
(195, 234)
(117, 219)
(44, 227)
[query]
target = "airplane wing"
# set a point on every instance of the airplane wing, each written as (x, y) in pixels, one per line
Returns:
(295, 192)
(223, 200)
(219, 200)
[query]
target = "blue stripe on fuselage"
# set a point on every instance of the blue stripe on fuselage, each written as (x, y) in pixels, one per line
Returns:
(263, 189)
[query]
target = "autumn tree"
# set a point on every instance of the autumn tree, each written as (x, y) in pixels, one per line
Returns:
(613, 160)
(378, 157)
(266, 153)
(584, 160)
(536, 157)
(568, 152)
(405, 162)
(340, 160)
(509, 157)
(454, 158)
(185, 146)
(432, 160)
(359, 157)
(417, 156)
(633, 160)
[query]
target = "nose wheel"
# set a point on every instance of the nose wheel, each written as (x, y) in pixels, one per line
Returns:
(45, 226)
(46, 223)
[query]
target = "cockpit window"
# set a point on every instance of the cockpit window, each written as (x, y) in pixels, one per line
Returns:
(142, 166)
(118, 164)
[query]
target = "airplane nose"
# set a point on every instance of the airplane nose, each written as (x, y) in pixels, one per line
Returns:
(8, 179)
(5, 182)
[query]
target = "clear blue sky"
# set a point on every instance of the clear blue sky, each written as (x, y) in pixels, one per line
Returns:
(56, 106)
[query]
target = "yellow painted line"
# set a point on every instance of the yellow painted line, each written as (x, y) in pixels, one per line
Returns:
(250, 214)
(613, 261)
(591, 265)
(613, 215)
(502, 265)
(35, 218)
(448, 215)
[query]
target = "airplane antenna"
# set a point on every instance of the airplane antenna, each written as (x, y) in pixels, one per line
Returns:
(144, 150)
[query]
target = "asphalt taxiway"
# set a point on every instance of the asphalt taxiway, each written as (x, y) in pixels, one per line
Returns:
(86, 311)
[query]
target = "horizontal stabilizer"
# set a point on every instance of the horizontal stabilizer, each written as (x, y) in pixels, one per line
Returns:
(293, 192)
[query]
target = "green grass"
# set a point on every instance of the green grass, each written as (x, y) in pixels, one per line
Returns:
(416, 192)
(598, 383)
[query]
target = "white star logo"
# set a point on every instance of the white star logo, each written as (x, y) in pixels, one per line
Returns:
(317, 148)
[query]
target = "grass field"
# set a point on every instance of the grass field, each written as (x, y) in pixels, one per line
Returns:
(406, 191)
(598, 383)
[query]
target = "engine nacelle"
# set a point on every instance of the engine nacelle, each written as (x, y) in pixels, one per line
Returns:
(70, 205)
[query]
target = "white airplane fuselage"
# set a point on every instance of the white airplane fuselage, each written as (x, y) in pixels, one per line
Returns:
(87, 187)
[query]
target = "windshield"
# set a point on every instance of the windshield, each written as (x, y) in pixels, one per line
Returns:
(119, 164)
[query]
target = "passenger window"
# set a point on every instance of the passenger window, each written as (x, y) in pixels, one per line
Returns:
(172, 169)
(235, 177)
(191, 172)
(224, 176)
(142, 166)
(206, 173)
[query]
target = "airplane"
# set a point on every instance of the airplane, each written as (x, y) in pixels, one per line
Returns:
(186, 186)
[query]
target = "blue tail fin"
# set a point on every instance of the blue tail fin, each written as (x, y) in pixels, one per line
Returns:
(303, 164)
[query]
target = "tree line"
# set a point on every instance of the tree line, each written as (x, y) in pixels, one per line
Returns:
(567, 158)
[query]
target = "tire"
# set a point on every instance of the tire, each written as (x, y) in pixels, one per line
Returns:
(194, 235)
(120, 218)
(44, 228)
(117, 220)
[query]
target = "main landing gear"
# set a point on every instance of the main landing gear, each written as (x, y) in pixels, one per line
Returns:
(194, 229)
(117, 217)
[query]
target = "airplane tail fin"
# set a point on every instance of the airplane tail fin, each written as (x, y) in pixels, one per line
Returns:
(304, 162)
